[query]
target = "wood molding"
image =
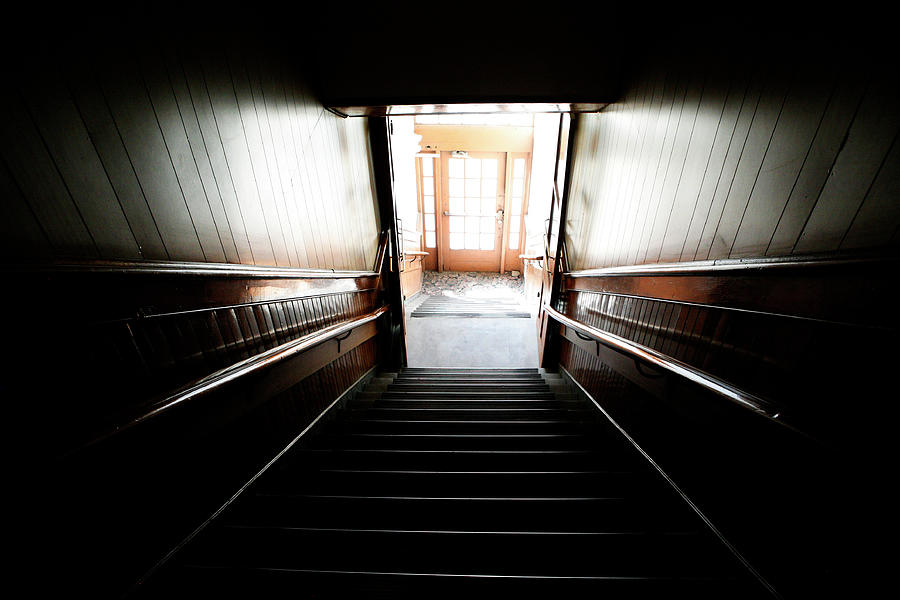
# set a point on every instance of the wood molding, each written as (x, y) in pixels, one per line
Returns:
(841, 292)
(475, 138)
(105, 295)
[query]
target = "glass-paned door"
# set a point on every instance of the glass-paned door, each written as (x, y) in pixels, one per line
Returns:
(517, 208)
(473, 202)
(428, 168)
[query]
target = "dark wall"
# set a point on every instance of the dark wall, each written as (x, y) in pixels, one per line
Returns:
(756, 154)
(126, 144)
(437, 55)
(109, 484)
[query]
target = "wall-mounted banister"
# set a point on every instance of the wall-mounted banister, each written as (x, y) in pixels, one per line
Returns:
(657, 359)
(382, 252)
(846, 291)
(190, 269)
(740, 264)
(222, 377)
(414, 255)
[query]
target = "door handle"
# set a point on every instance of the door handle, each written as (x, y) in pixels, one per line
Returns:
(446, 213)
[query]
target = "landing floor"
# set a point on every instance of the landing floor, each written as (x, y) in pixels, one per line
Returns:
(471, 342)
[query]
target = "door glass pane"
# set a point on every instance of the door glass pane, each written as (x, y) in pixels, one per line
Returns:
(456, 187)
(472, 206)
(473, 168)
(457, 241)
(514, 233)
(487, 224)
(473, 188)
(429, 222)
(472, 224)
(471, 241)
(429, 239)
(457, 225)
(487, 241)
(456, 206)
(428, 167)
(428, 185)
(518, 186)
(519, 168)
(489, 187)
(457, 167)
(489, 168)
(428, 201)
(488, 205)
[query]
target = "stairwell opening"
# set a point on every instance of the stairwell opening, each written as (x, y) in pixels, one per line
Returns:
(473, 192)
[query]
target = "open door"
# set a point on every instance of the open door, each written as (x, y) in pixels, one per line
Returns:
(554, 248)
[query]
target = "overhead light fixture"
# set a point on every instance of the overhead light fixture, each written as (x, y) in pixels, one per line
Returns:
(459, 154)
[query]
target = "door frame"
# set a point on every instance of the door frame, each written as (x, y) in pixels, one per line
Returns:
(516, 140)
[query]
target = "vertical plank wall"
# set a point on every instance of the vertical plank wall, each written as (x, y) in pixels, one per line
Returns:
(152, 149)
(711, 161)
(731, 159)
(166, 152)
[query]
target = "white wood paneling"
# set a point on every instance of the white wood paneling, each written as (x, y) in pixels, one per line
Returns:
(199, 152)
(727, 161)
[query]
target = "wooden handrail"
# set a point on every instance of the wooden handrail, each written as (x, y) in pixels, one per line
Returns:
(747, 400)
(193, 269)
(740, 264)
(220, 378)
(382, 252)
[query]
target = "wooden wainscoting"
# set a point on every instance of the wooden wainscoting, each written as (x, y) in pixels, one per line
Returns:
(412, 275)
(813, 337)
(149, 393)
(780, 329)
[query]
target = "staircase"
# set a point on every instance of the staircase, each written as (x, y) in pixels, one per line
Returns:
(437, 482)
(448, 306)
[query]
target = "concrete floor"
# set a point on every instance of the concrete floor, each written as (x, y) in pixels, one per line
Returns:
(469, 342)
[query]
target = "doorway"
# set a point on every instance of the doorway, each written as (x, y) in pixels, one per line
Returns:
(470, 234)
(473, 206)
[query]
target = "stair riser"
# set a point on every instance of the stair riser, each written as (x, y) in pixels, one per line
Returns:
(610, 515)
(253, 583)
(471, 404)
(475, 379)
(451, 484)
(470, 387)
(456, 442)
(645, 555)
(360, 410)
(460, 461)
(455, 427)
